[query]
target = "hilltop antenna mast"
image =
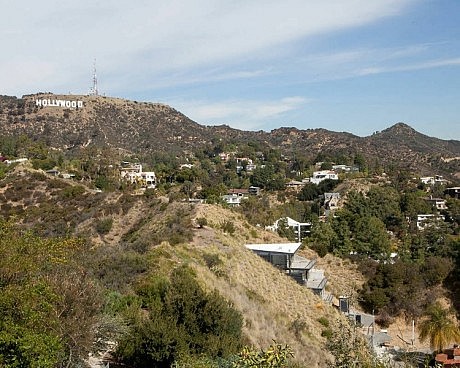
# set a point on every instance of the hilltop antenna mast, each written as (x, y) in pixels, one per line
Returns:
(94, 90)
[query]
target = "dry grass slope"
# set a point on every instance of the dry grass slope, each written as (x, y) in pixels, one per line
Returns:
(274, 306)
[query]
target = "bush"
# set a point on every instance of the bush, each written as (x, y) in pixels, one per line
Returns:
(201, 221)
(212, 260)
(72, 191)
(319, 248)
(179, 319)
(103, 226)
(324, 321)
(228, 227)
(44, 164)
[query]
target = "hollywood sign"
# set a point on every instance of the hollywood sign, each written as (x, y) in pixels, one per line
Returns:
(46, 102)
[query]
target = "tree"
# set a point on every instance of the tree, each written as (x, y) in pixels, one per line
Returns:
(371, 237)
(263, 176)
(349, 348)
(48, 303)
(309, 192)
(439, 328)
(322, 238)
(285, 231)
(179, 318)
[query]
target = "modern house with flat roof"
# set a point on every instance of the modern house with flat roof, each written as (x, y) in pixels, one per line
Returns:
(319, 176)
(283, 256)
(280, 254)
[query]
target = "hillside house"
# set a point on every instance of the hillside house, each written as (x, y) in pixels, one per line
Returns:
(16, 161)
(279, 254)
(426, 220)
(438, 203)
(235, 196)
(253, 190)
(53, 172)
(225, 156)
(433, 180)
(244, 163)
(319, 176)
(283, 256)
(148, 179)
(295, 184)
(316, 281)
(331, 202)
(345, 168)
(133, 174)
(301, 229)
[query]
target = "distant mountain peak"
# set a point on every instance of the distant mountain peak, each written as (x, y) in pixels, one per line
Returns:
(401, 128)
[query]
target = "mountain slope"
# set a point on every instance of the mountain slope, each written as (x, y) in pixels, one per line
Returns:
(102, 121)
(273, 305)
(149, 127)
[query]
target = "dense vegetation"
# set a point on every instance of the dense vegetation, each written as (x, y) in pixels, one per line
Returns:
(48, 301)
(371, 227)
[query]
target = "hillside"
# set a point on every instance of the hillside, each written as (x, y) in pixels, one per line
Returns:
(131, 244)
(101, 121)
(273, 305)
(141, 127)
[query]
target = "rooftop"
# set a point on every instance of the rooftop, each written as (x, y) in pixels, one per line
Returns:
(286, 248)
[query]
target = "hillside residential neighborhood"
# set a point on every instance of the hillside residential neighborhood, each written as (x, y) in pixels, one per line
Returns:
(177, 245)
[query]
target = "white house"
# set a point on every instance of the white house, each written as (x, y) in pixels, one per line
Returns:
(301, 229)
(235, 196)
(439, 203)
(319, 176)
(133, 174)
(426, 220)
(432, 180)
(149, 179)
(15, 161)
(345, 168)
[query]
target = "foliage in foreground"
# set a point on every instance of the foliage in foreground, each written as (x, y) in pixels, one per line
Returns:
(177, 318)
(48, 303)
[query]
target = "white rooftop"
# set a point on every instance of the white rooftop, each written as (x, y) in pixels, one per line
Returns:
(289, 248)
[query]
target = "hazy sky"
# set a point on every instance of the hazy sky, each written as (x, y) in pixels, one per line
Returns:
(345, 65)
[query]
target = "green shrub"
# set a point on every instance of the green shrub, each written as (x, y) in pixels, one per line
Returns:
(228, 227)
(327, 333)
(179, 319)
(202, 221)
(324, 321)
(103, 226)
(212, 260)
(72, 191)
(298, 326)
(44, 164)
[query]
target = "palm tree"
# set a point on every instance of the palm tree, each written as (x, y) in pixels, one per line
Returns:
(439, 328)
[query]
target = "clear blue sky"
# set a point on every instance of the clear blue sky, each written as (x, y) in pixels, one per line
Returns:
(345, 65)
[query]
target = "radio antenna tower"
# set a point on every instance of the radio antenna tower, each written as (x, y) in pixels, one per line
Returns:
(94, 91)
